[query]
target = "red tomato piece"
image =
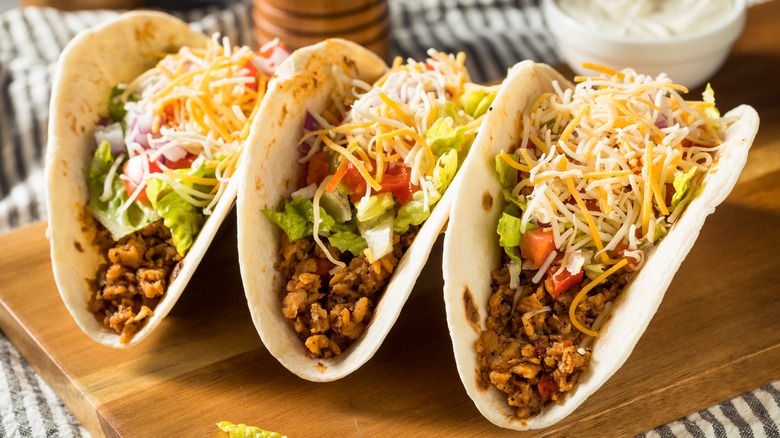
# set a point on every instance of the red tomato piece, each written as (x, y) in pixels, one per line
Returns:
(135, 172)
(249, 65)
(620, 253)
(184, 163)
(564, 280)
(547, 386)
(397, 179)
(271, 57)
(323, 267)
(669, 187)
(318, 169)
(536, 245)
(354, 182)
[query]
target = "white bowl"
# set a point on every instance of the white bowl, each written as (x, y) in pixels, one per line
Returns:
(688, 59)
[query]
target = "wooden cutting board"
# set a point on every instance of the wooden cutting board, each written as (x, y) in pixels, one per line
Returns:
(716, 335)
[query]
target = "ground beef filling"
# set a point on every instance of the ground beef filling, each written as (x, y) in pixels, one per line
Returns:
(129, 286)
(329, 312)
(533, 355)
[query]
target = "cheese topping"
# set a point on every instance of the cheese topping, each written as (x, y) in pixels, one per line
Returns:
(202, 101)
(387, 124)
(606, 165)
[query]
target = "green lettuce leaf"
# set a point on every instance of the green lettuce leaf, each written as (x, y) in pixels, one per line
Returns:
(374, 206)
(518, 201)
(179, 215)
(378, 233)
(244, 431)
(116, 108)
(444, 138)
(507, 175)
(445, 170)
(135, 217)
(348, 241)
(708, 96)
(682, 182)
(476, 103)
(297, 221)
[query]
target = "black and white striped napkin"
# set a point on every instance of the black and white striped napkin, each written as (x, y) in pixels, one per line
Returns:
(494, 34)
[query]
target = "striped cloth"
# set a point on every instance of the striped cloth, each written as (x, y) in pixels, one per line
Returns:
(494, 34)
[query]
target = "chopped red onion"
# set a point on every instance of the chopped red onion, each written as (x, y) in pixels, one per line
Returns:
(113, 134)
(174, 153)
(542, 224)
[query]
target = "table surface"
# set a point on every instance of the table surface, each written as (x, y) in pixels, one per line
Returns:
(206, 363)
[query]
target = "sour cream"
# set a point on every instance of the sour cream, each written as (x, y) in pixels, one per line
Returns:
(650, 19)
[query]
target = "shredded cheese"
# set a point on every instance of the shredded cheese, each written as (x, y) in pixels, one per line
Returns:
(599, 159)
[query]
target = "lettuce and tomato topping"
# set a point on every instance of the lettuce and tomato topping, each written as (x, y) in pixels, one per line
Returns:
(600, 175)
(173, 138)
(382, 155)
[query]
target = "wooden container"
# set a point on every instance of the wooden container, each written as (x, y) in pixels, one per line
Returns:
(306, 22)
(72, 5)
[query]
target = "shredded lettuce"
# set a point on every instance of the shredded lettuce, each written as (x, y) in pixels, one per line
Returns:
(507, 175)
(445, 170)
(708, 96)
(374, 206)
(378, 233)
(444, 138)
(135, 217)
(297, 221)
(348, 241)
(244, 431)
(682, 182)
(182, 218)
(476, 103)
(518, 201)
(116, 108)
(509, 230)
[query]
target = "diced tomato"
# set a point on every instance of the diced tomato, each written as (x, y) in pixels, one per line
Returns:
(564, 280)
(249, 65)
(354, 182)
(318, 169)
(397, 179)
(547, 386)
(270, 58)
(620, 253)
(134, 173)
(323, 267)
(536, 245)
(669, 187)
(184, 163)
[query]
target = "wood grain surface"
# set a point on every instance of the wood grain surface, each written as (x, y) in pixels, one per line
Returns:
(715, 336)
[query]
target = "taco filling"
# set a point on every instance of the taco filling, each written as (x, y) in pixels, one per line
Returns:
(166, 150)
(601, 174)
(378, 160)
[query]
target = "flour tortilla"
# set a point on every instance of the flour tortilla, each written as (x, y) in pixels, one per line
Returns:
(304, 82)
(471, 250)
(93, 62)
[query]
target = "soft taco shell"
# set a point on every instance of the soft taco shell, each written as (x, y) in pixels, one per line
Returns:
(93, 62)
(272, 174)
(472, 252)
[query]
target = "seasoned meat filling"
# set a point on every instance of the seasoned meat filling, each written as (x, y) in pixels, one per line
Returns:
(137, 274)
(532, 352)
(330, 311)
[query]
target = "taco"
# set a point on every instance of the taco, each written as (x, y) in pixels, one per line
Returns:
(340, 208)
(581, 203)
(148, 120)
